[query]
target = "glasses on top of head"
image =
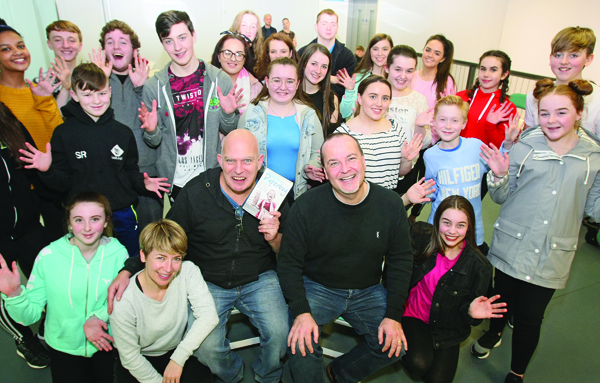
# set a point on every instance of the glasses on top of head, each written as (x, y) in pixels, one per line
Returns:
(239, 228)
(239, 56)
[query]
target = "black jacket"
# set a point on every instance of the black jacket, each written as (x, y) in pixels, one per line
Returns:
(209, 220)
(469, 278)
(19, 204)
(341, 57)
(100, 156)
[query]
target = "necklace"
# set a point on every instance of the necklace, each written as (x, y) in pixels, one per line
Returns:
(284, 115)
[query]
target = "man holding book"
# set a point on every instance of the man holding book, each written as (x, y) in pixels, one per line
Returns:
(236, 254)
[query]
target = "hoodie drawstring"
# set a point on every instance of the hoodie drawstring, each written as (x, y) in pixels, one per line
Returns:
(587, 175)
(71, 274)
(486, 105)
(523, 163)
(99, 272)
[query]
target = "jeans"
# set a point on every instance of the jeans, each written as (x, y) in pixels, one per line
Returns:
(263, 303)
(127, 230)
(364, 310)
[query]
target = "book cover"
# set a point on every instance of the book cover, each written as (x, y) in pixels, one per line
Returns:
(268, 195)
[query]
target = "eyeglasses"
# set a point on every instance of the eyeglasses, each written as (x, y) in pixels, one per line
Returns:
(290, 83)
(239, 56)
(239, 228)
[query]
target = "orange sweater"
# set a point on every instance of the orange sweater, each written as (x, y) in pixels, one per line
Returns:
(40, 115)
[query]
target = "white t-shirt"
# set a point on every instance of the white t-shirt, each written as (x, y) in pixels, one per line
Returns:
(590, 118)
(405, 110)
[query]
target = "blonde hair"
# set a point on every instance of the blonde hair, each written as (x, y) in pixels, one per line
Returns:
(452, 100)
(165, 236)
(574, 39)
(257, 43)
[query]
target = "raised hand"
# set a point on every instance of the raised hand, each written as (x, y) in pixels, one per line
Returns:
(10, 281)
(45, 86)
(95, 330)
(483, 308)
(99, 58)
(149, 119)
(425, 118)
(59, 65)
(511, 133)
(142, 70)
(349, 82)
(36, 158)
(411, 151)
(230, 103)
(497, 162)
(503, 113)
(314, 173)
(419, 191)
(156, 185)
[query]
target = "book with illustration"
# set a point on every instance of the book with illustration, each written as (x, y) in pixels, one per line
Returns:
(268, 194)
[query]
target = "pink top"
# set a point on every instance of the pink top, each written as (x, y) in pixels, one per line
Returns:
(427, 88)
(418, 304)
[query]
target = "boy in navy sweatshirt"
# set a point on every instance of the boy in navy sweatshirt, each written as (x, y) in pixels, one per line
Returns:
(92, 151)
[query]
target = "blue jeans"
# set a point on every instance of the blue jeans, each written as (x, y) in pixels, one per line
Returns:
(263, 303)
(364, 310)
(127, 230)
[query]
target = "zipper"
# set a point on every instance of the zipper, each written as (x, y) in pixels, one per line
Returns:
(87, 288)
(123, 92)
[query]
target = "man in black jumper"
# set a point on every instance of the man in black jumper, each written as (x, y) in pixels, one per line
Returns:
(236, 254)
(329, 265)
(341, 57)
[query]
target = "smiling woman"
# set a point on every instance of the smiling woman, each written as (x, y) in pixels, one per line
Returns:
(291, 143)
(232, 54)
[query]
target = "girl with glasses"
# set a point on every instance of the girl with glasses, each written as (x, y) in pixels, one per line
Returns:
(288, 130)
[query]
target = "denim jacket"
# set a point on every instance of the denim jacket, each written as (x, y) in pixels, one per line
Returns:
(469, 278)
(254, 119)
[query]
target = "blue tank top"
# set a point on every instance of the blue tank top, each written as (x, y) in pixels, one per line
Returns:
(283, 142)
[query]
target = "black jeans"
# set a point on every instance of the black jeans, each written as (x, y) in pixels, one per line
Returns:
(193, 370)
(67, 368)
(527, 303)
(422, 361)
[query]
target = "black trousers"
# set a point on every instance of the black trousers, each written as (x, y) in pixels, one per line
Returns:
(527, 303)
(193, 370)
(67, 368)
(424, 362)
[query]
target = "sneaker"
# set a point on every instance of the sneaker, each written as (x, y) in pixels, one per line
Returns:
(481, 349)
(34, 353)
(512, 378)
(511, 322)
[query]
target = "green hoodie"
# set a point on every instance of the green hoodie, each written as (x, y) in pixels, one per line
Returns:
(72, 289)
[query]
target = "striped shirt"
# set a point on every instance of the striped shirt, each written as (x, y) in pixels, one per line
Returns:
(383, 153)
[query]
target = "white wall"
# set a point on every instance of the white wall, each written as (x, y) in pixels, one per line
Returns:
(528, 31)
(30, 18)
(473, 26)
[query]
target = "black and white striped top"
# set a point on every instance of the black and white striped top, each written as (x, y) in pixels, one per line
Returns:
(383, 153)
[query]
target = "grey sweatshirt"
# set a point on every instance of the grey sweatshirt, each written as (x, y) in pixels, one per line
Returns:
(164, 137)
(144, 326)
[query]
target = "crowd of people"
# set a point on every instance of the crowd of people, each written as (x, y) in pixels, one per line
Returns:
(124, 293)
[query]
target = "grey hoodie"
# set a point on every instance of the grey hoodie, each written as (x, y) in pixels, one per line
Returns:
(215, 119)
(543, 201)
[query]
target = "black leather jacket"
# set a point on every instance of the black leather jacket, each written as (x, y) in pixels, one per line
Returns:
(468, 279)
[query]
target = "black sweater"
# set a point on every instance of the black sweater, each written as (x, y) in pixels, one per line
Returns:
(98, 156)
(209, 221)
(343, 246)
(341, 57)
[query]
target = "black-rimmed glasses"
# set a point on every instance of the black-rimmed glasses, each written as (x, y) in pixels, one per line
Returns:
(239, 56)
